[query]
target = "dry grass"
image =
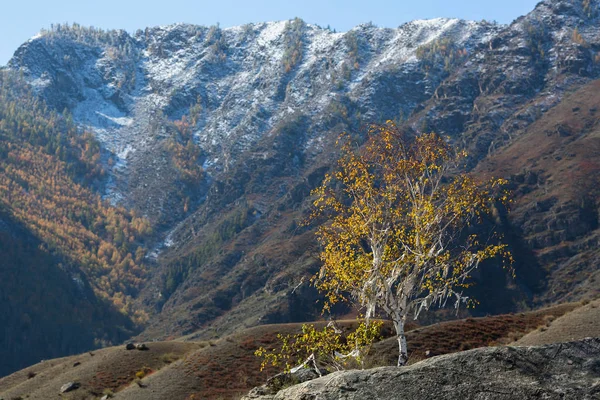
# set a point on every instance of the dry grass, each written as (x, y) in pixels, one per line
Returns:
(227, 368)
(109, 369)
(169, 358)
(466, 334)
(581, 323)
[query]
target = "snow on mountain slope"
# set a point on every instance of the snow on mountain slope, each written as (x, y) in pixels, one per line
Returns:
(123, 88)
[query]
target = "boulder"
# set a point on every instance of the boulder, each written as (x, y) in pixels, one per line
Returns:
(129, 346)
(141, 346)
(69, 387)
(557, 371)
(283, 380)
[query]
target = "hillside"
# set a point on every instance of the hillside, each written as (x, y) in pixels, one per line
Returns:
(579, 324)
(101, 372)
(227, 368)
(45, 312)
(66, 278)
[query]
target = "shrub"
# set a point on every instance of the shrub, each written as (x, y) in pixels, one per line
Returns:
(577, 38)
(215, 41)
(352, 44)
(589, 9)
(327, 348)
(536, 37)
(143, 372)
(169, 358)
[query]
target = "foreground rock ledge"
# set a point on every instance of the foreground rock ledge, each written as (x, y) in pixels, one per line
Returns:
(557, 371)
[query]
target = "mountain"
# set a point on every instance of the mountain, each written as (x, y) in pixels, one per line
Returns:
(211, 139)
(526, 107)
(257, 106)
(45, 313)
(62, 271)
(235, 87)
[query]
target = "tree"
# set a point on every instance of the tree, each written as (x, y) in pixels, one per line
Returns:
(400, 234)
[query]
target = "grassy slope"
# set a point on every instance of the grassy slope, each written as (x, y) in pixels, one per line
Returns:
(579, 324)
(226, 368)
(465, 334)
(35, 325)
(107, 369)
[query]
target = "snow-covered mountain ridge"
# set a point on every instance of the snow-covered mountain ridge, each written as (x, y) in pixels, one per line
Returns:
(122, 87)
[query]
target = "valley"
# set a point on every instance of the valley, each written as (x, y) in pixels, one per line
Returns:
(154, 186)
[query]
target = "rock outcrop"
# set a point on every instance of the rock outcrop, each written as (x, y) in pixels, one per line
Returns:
(557, 371)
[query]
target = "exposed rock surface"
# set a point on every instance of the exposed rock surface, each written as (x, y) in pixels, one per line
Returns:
(283, 380)
(69, 387)
(141, 346)
(557, 371)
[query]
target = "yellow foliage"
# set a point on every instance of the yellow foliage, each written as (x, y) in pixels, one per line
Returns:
(328, 346)
(397, 216)
(577, 38)
(75, 222)
(143, 372)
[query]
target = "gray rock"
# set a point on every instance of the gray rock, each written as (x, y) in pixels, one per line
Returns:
(141, 346)
(69, 387)
(283, 380)
(505, 373)
(130, 346)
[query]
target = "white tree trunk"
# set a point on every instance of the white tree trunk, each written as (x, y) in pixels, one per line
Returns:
(402, 352)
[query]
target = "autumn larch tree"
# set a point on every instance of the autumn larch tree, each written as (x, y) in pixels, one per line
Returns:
(397, 239)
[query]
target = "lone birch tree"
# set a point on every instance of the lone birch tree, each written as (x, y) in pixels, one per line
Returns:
(398, 238)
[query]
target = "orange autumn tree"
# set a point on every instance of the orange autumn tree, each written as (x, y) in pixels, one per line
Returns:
(398, 239)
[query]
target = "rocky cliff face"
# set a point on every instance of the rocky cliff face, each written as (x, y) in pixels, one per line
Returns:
(236, 86)
(259, 108)
(558, 371)
(526, 108)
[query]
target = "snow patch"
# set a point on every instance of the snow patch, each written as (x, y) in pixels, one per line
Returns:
(123, 121)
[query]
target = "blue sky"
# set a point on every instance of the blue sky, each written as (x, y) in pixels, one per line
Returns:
(22, 19)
